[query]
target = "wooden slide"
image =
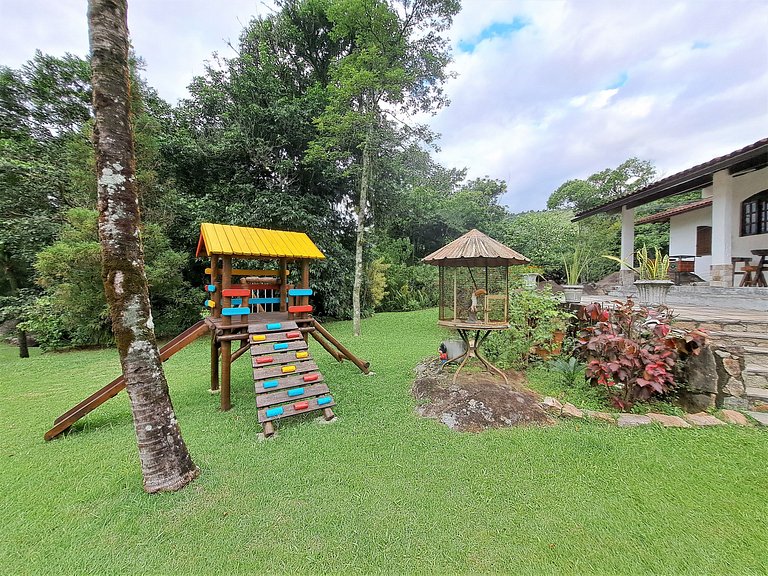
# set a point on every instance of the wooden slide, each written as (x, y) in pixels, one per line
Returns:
(63, 422)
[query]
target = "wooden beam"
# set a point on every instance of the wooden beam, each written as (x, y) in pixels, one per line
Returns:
(226, 346)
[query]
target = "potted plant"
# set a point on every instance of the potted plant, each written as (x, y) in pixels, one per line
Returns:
(530, 275)
(575, 266)
(653, 281)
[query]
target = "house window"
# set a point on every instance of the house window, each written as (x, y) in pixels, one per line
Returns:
(703, 240)
(754, 214)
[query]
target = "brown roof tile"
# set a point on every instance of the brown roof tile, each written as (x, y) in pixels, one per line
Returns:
(667, 214)
(694, 178)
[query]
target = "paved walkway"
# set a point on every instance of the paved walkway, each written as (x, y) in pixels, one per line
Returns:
(697, 313)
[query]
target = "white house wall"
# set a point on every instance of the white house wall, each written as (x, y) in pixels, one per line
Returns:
(745, 186)
(682, 237)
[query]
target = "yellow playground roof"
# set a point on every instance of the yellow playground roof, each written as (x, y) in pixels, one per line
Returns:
(223, 239)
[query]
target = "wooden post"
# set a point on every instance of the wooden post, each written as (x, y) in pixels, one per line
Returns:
(305, 284)
(305, 279)
(506, 292)
(214, 363)
(441, 293)
(283, 285)
(361, 364)
(455, 296)
(226, 346)
(216, 296)
(328, 348)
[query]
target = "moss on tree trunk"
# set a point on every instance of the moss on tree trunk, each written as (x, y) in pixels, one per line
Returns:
(165, 462)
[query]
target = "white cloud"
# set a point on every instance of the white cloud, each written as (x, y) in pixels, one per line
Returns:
(571, 88)
(588, 84)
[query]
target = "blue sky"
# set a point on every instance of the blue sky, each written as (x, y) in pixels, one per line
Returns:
(546, 90)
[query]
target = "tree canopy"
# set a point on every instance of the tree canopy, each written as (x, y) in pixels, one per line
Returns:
(604, 186)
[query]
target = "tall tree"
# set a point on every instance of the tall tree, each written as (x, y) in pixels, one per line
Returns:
(603, 186)
(394, 65)
(165, 461)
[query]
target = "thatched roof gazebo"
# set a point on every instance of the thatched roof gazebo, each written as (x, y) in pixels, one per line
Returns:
(474, 274)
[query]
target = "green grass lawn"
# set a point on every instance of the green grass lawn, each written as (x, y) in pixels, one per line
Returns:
(379, 490)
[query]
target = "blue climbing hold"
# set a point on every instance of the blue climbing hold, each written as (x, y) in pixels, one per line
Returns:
(325, 400)
(295, 392)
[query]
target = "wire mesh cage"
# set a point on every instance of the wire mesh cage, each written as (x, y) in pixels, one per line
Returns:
(474, 294)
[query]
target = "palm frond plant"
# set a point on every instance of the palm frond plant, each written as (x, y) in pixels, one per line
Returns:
(653, 283)
(648, 268)
(576, 264)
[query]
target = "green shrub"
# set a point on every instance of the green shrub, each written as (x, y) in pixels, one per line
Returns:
(74, 311)
(534, 316)
(632, 352)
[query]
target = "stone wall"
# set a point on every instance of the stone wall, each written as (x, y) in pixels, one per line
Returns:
(714, 379)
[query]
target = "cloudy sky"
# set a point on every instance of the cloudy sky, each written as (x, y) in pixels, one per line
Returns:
(547, 90)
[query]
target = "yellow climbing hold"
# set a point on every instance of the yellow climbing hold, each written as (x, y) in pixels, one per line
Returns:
(259, 337)
(303, 354)
(287, 369)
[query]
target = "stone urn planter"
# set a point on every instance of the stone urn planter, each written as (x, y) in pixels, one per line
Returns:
(653, 292)
(573, 293)
(529, 279)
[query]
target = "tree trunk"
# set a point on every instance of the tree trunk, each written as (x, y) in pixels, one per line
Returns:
(23, 346)
(165, 462)
(361, 213)
(21, 335)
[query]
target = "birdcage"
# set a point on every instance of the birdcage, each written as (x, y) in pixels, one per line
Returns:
(474, 280)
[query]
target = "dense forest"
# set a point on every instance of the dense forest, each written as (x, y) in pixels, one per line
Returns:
(308, 128)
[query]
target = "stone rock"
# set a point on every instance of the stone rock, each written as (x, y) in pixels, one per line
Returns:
(761, 417)
(551, 404)
(701, 372)
(628, 420)
(704, 419)
(733, 417)
(691, 402)
(571, 411)
(477, 401)
(732, 366)
(669, 421)
(734, 387)
(606, 416)
(734, 403)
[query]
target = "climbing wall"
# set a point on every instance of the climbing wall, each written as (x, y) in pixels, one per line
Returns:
(287, 381)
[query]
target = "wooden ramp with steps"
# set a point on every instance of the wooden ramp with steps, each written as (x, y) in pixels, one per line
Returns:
(286, 379)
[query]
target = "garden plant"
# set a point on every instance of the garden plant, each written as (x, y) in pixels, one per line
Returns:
(633, 351)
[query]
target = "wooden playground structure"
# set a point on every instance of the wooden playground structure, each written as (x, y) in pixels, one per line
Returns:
(474, 291)
(265, 314)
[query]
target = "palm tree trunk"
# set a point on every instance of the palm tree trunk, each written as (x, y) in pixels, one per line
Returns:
(165, 462)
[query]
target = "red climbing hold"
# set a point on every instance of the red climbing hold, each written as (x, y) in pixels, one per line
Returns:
(301, 405)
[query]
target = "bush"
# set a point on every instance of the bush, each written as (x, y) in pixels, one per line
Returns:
(74, 311)
(409, 288)
(632, 352)
(534, 316)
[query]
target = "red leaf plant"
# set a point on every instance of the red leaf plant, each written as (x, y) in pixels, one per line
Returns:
(632, 351)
